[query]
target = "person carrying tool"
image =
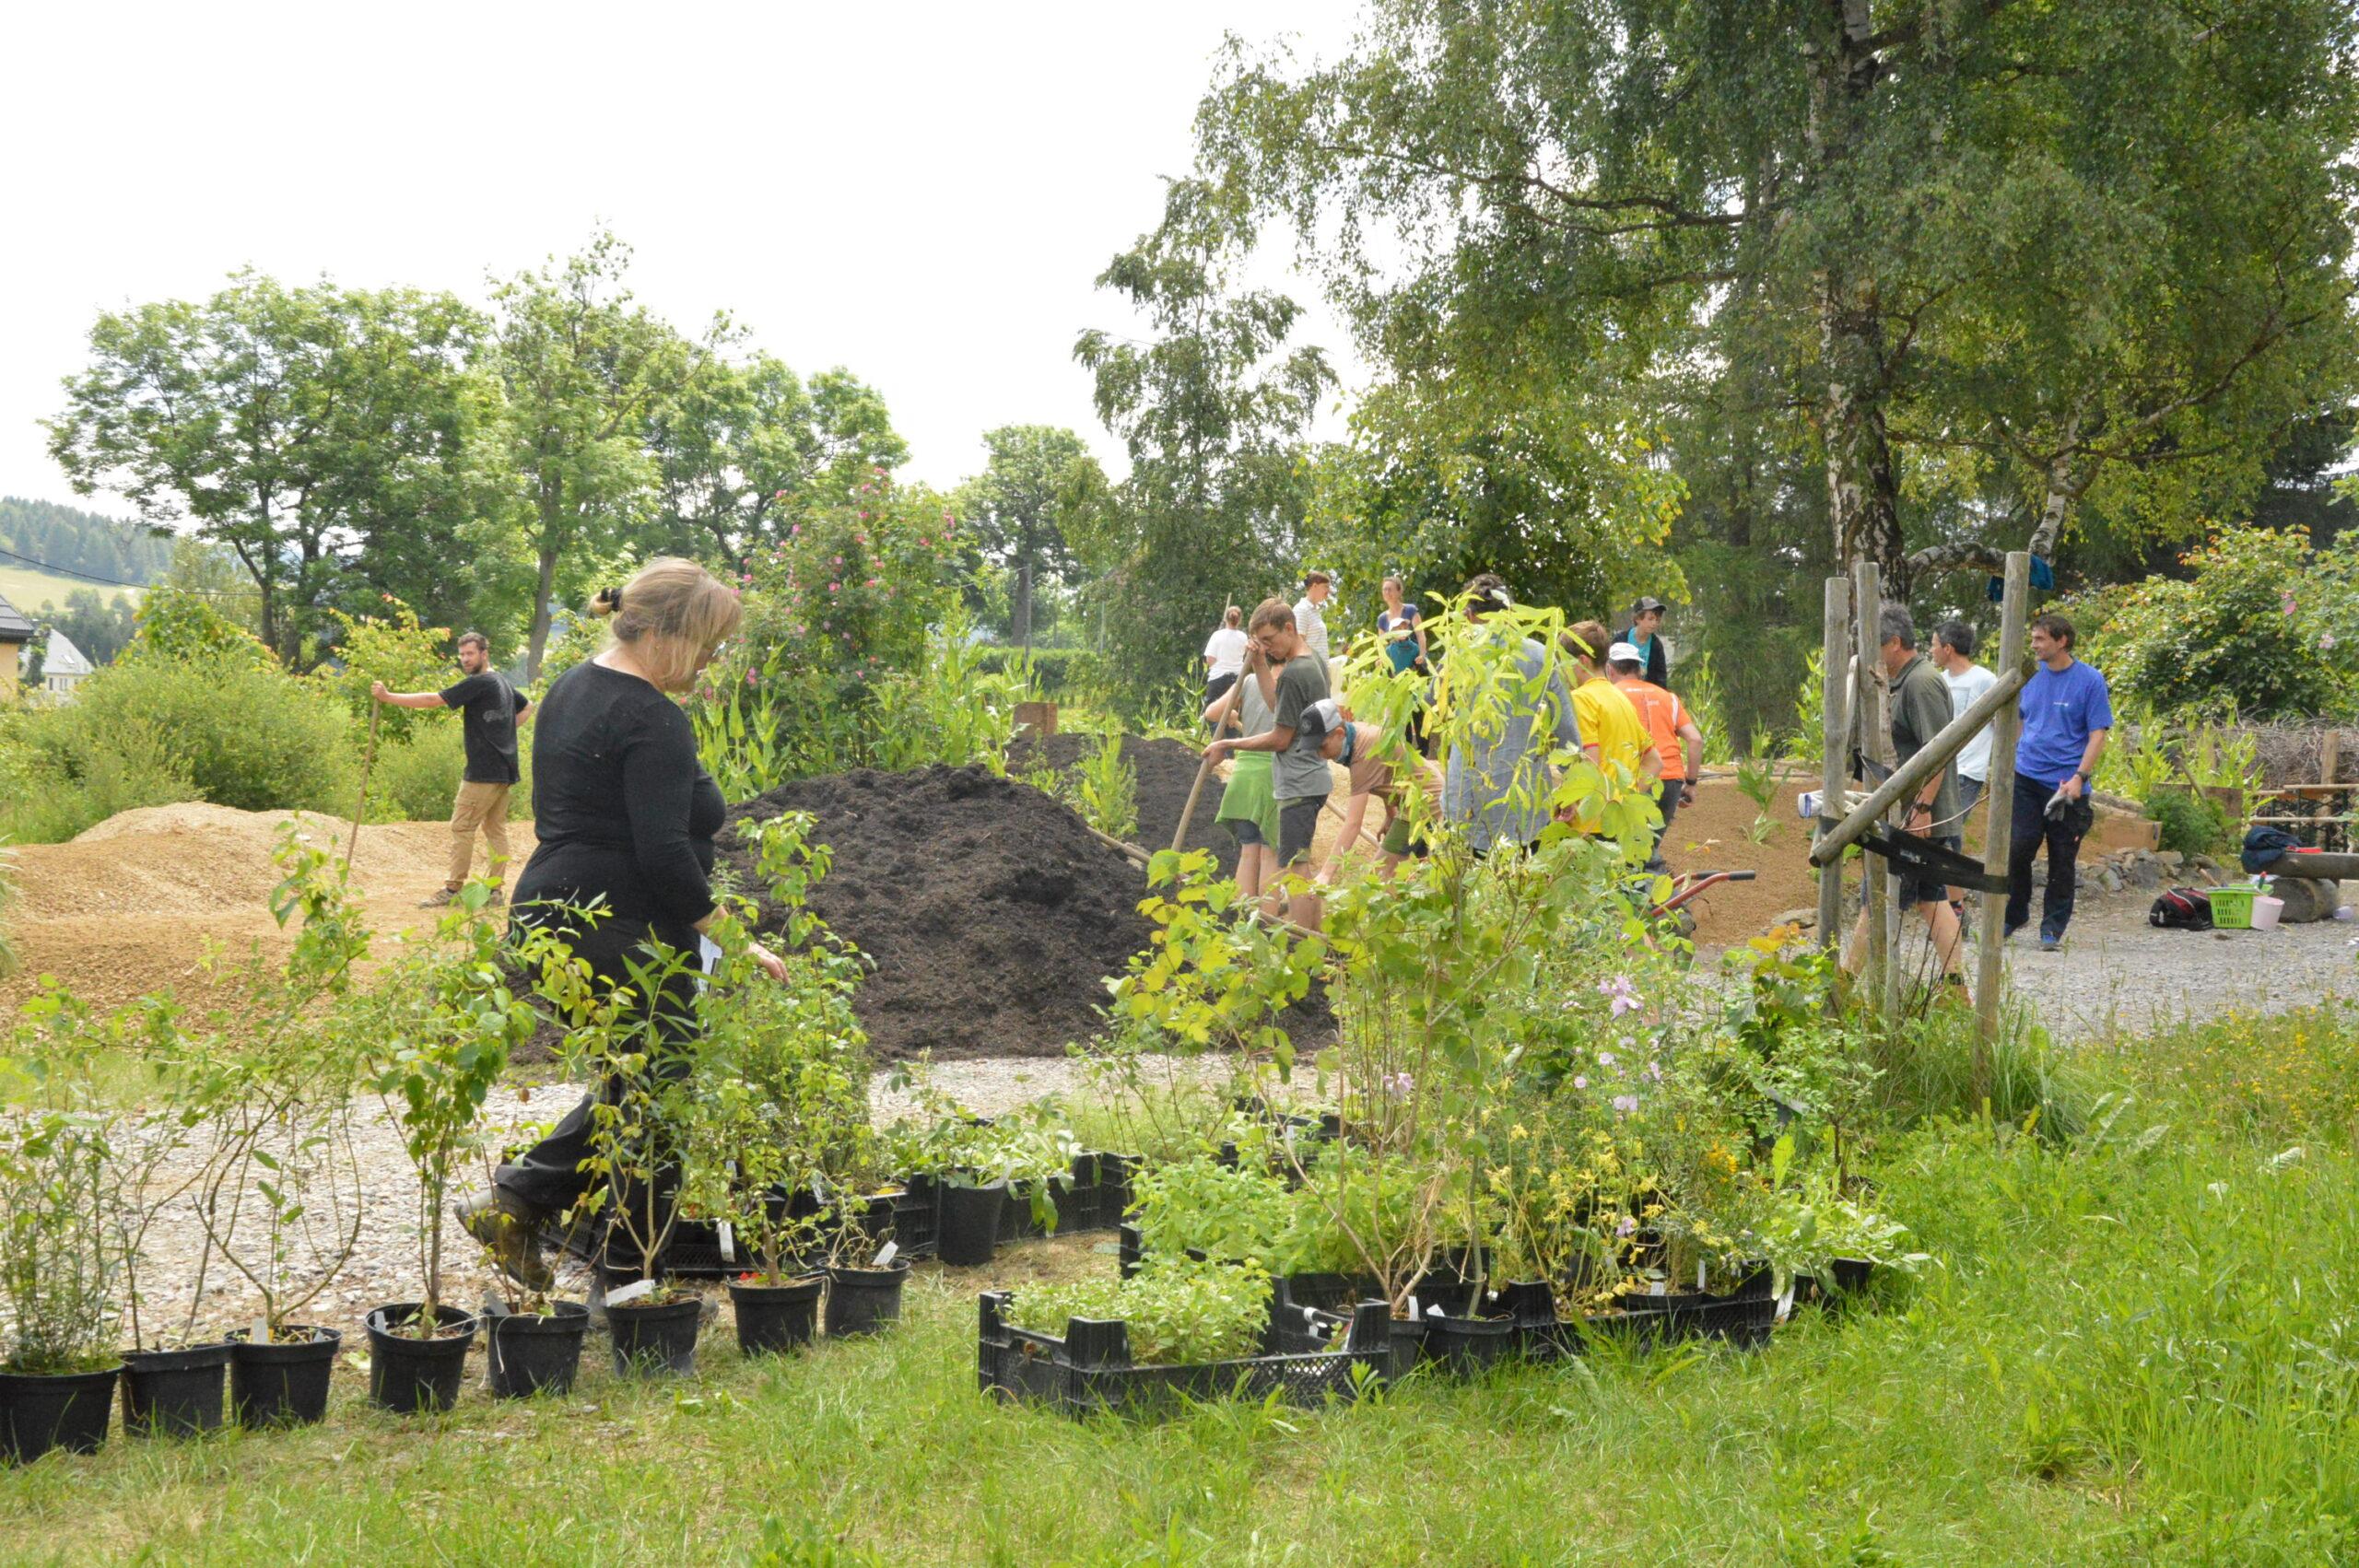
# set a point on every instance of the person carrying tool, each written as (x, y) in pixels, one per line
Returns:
(1247, 807)
(2067, 714)
(1375, 771)
(490, 710)
(627, 816)
(1299, 775)
(1920, 710)
(1677, 740)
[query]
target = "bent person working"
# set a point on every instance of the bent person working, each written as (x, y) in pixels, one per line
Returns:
(490, 710)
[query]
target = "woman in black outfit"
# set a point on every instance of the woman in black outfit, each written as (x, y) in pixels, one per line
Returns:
(625, 814)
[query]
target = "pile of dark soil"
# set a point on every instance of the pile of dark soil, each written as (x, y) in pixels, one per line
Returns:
(992, 914)
(1166, 771)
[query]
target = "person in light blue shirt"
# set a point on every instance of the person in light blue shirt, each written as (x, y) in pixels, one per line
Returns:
(2067, 714)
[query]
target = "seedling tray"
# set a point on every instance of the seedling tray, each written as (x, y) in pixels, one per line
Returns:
(1089, 1367)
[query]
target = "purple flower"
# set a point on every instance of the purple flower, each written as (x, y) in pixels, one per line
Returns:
(1579, 1082)
(1654, 1070)
(2326, 640)
(1606, 1058)
(1628, 1227)
(1626, 1103)
(1623, 1004)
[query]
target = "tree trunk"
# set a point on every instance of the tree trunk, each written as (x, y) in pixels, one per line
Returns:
(540, 592)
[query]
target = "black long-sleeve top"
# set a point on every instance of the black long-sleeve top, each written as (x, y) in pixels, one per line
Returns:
(622, 807)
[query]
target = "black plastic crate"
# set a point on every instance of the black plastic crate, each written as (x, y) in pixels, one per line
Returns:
(1090, 1369)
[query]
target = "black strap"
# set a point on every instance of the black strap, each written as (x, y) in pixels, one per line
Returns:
(1932, 861)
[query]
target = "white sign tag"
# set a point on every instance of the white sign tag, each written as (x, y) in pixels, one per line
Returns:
(630, 1292)
(1699, 1273)
(1414, 1315)
(728, 1237)
(260, 1333)
(885, 1254)
(1786, 1302)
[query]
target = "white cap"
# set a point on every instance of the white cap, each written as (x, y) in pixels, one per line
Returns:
(1622, 651)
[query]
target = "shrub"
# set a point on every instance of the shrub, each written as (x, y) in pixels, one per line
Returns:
(2190, 824)
(177, 626)
(241, 735)
(2261, 627)
(415, 781)
(120, 771)
(1054, 672)
(393, 649)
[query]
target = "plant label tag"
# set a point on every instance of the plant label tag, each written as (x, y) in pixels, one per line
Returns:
(1786, 1301)
(630, 1292)
(728, 1238)
(1656, 1288)
(707, 953)
(1414, 1315)
(1699, 1273)
(260, 1333)
(885, 1254)
(1438, 1311)
(820, 1188)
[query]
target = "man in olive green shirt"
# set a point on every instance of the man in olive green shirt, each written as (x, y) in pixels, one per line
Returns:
(1920, 710)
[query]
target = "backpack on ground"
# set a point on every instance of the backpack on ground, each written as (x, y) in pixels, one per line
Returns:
(2182, 909)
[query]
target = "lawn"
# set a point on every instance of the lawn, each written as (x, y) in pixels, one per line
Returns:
(27, 588)
(2137, 1346)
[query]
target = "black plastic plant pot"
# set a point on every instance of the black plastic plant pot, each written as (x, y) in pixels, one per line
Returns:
(40, 1412)
(174, 1393)
(282, 1385)
(864, 1300)
(532, 1353)
(649, 1340)
(1465, 1345)
(970, 1231)
(1408, 1345)
(773, 1319)
(409, 1375)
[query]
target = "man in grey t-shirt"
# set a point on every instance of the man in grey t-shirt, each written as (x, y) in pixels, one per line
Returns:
(1298, 775)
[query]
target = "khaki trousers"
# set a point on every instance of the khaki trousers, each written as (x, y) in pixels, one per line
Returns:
(481, 806)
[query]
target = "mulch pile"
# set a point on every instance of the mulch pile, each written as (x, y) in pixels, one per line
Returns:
(1166, 771)
(992, 915)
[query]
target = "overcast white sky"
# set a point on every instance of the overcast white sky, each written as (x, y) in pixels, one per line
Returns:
(920, 191)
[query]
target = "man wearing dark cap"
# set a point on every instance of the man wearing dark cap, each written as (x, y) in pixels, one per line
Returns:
(1646, 636)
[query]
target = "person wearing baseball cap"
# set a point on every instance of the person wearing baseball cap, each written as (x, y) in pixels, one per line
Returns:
(1678, 741)
(1645, 633)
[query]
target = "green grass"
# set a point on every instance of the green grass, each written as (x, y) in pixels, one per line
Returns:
(27, 588)
(2139, 1346)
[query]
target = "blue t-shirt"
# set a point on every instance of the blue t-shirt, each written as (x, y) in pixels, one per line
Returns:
(1402, 651)
(2059, 707)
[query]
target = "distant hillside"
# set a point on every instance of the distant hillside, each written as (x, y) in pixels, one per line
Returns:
(80, 545)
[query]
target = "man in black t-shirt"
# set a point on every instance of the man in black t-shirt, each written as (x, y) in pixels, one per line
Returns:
(490, 710)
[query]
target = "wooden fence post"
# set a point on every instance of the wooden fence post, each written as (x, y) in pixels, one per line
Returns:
(1875, 746)
(1998, 828)
(1834, 761)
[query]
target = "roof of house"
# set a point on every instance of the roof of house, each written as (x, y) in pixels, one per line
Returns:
(14, 628)
(64, 659)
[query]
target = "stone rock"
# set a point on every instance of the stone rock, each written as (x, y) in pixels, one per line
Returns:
(2146, 873)
(2304, 900)
(1805, 916)
(2171, 859)
(2112, 880)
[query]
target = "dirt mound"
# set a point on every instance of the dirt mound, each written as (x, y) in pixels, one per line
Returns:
(992, 914)
(184, 860)
(202, 816)
(1166, 770)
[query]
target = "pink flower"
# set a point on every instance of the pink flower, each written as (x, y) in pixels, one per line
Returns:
(1580, 1081)
(833, 586)
(1606, 1058)
(2326, 640)
(752, 676)
(838, 561)
(924, 543)
(1626, 1103)
(872, 582)
(2287, 603)
(1623, 1004)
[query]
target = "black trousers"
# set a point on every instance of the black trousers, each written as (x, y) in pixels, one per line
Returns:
(548, 1176)
(2061, 835)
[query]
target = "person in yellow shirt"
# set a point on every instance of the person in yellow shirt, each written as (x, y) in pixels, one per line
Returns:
(1613, 736)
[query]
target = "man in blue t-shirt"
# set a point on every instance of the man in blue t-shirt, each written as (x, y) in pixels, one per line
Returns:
(2067, 714)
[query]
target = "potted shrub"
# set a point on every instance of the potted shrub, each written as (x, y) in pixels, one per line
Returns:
(172, 1384)
(640, 1130)
(865, 1273)
(446, 1023)
(60, 1269)
(785, 1101)
(279, 1194)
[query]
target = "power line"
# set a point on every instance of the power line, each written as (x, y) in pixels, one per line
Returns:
(110, 582)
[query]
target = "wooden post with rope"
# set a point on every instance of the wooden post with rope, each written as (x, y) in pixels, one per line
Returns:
(1875, 746)
(1834, 761)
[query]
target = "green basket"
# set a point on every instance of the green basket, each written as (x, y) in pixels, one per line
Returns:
(2232, 907)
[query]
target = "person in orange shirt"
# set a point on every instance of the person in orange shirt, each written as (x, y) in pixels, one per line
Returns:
(1677, 738)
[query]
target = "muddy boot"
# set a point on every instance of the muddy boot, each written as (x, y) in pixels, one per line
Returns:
(509, 1230)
